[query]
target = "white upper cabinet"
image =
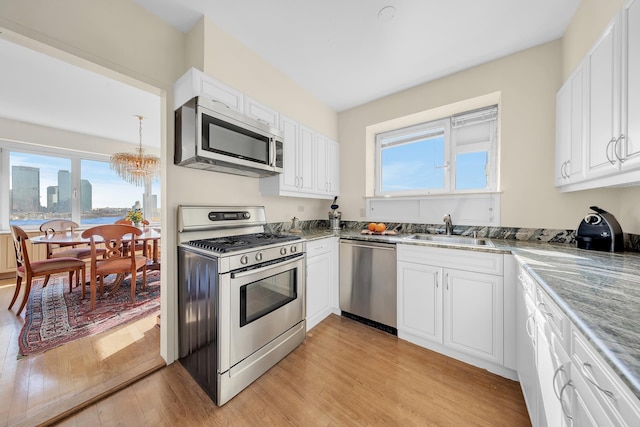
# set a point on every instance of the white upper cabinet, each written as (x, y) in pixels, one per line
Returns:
(306, 172)
(630, 138)
(333, 167)
(288, 180)
(261, 112)
(603, 63)
(326, 156)
(611, 98)
(196, 83)
(570, 135)
(310, 167)
(310, 164)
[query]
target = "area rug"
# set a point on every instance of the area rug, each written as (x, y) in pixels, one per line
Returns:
(55, 317)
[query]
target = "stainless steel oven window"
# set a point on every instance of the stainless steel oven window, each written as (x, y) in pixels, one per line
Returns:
(259, 298)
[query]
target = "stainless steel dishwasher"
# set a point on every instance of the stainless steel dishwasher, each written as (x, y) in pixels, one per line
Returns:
(368, 283)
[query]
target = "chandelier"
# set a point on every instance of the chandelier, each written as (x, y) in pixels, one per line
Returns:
(136, 168)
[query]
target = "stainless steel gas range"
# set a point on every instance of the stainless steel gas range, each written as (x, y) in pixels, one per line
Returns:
(241, 296)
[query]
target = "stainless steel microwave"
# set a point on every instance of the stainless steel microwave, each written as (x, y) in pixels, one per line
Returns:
(211, 136)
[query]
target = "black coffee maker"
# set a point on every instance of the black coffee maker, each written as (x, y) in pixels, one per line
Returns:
(600, 231)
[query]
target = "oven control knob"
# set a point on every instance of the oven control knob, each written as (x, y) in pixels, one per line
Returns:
(283, 251)
(294, 249)
(259, 256)
(244, 259)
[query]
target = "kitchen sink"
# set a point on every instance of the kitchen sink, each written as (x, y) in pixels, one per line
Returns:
(451, 239)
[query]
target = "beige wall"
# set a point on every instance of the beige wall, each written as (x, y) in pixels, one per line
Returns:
(527, 82)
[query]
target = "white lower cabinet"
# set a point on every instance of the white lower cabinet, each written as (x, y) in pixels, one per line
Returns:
(322, 283)
(473, 310)
(420, 301)
(563, 379)
(455, 311)
(526, 349)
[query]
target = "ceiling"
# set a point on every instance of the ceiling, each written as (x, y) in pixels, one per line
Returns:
(349, 52)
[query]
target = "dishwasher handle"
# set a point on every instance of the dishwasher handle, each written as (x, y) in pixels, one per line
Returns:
(369, 245)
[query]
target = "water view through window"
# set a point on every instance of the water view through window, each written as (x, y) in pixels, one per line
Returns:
(42, 188)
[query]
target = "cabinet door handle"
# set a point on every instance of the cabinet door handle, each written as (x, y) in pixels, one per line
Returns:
(567, 174)
(526, 325)
(564, 410)
(592, 380)
(437, 275)
(546, 313)
(446, 280)
(553, 381)
(611, 141)
(615, 149)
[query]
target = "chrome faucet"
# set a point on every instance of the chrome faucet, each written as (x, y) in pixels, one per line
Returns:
(448, 225)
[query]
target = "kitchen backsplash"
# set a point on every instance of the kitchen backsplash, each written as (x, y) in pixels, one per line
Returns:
(631, 241)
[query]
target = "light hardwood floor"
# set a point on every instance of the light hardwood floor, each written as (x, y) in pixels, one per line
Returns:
(344, 374)
(38, 388)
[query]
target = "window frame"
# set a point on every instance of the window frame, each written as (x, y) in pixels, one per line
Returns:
(75, 156)
(451, 149)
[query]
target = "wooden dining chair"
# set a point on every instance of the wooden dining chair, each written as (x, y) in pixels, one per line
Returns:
(114, 261)
(64, 250)
(27, 270)
(141, 245)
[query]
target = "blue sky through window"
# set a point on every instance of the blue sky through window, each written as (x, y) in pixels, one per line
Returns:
(413, 166)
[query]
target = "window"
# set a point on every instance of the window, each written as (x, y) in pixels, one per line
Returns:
(452, 155)
(56, 184)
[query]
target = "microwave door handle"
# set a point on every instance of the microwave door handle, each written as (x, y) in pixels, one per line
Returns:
(272, 152)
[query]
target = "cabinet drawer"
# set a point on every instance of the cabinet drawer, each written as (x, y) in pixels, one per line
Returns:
(318, 247)
(555, 317)
(613, 395)
(460, 259)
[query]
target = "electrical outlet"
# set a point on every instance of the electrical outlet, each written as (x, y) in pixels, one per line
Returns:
(301, 208)
(362, 213)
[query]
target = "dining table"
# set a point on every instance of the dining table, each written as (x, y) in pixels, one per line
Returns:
(149, 234)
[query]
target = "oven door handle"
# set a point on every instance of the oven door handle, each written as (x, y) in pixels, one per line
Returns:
(240, 274)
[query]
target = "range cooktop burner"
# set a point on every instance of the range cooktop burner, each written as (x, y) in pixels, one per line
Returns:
(235, 243)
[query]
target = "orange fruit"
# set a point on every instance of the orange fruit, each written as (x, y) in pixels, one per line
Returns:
(380, 227)
(372, 226)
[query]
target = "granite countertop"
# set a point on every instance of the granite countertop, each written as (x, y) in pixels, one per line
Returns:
(599, 291)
